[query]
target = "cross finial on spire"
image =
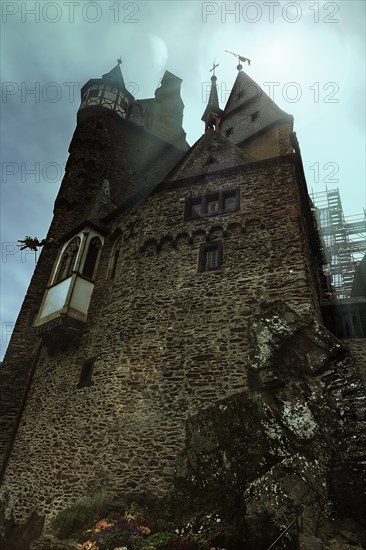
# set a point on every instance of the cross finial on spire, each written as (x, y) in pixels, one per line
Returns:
(214, 67)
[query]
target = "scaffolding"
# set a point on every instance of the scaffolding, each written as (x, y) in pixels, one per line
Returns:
(343, 239)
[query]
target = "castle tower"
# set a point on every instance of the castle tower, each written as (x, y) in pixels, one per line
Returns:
(164, 254)
(114, 161)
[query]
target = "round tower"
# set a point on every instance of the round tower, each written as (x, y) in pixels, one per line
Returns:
(108, 92)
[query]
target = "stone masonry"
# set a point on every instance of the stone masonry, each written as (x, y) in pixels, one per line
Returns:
(167, 339)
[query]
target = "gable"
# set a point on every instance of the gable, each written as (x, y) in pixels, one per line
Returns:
(249, 111)
(211, 153)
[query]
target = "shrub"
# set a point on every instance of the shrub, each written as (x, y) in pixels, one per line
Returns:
(160, 540)
(82, 513)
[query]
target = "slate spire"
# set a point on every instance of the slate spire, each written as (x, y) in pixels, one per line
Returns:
(115, 75)
(212, 113)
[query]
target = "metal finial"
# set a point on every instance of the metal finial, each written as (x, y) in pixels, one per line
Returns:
(119, 60)
(214, 67)
(240, 58)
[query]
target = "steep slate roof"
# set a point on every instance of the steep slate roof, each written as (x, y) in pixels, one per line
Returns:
(115, 75)
(211, 153)
(246, 98)
(113, 78)
(213, 100)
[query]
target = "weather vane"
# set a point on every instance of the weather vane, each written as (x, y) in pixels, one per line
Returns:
(240, 58)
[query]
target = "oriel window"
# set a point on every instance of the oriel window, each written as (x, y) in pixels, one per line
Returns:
(93, 93)
(67, 261)
(92, 256)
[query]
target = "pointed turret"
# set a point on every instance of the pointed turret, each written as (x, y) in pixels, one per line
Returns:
(212, 114)
(108, 92)
(115, 75)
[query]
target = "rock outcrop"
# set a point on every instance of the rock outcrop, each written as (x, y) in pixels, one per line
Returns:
(290, 449)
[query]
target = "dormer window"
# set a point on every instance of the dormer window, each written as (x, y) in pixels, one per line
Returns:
(254, 116)
(229, 131)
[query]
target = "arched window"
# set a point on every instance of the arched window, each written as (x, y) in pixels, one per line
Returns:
(114, 258)
(67, 261)
(92, 256)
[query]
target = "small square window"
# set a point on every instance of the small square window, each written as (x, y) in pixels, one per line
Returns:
(254, 116)
(229, 131)
(210, 257)
(86, 373)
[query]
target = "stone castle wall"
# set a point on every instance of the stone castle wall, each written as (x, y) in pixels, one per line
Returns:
(95, 141)
(168, 341)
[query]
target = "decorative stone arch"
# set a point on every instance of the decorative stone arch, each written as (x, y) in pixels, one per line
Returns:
(116, 233)
(215, 231)
(165, 242)
(149, 243)
(182, 238)
(199, 235)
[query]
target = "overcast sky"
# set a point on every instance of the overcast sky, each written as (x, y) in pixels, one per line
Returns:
(308, 55)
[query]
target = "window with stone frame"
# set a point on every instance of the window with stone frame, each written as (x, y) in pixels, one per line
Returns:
(114, 258)
(67, 262)
(210, 256)
(86, 374)
(91, 259)
(212, 204)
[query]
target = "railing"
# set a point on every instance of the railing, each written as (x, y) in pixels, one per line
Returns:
(299, 526)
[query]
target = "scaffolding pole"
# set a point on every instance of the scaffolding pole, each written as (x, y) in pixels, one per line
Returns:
(343, 240)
